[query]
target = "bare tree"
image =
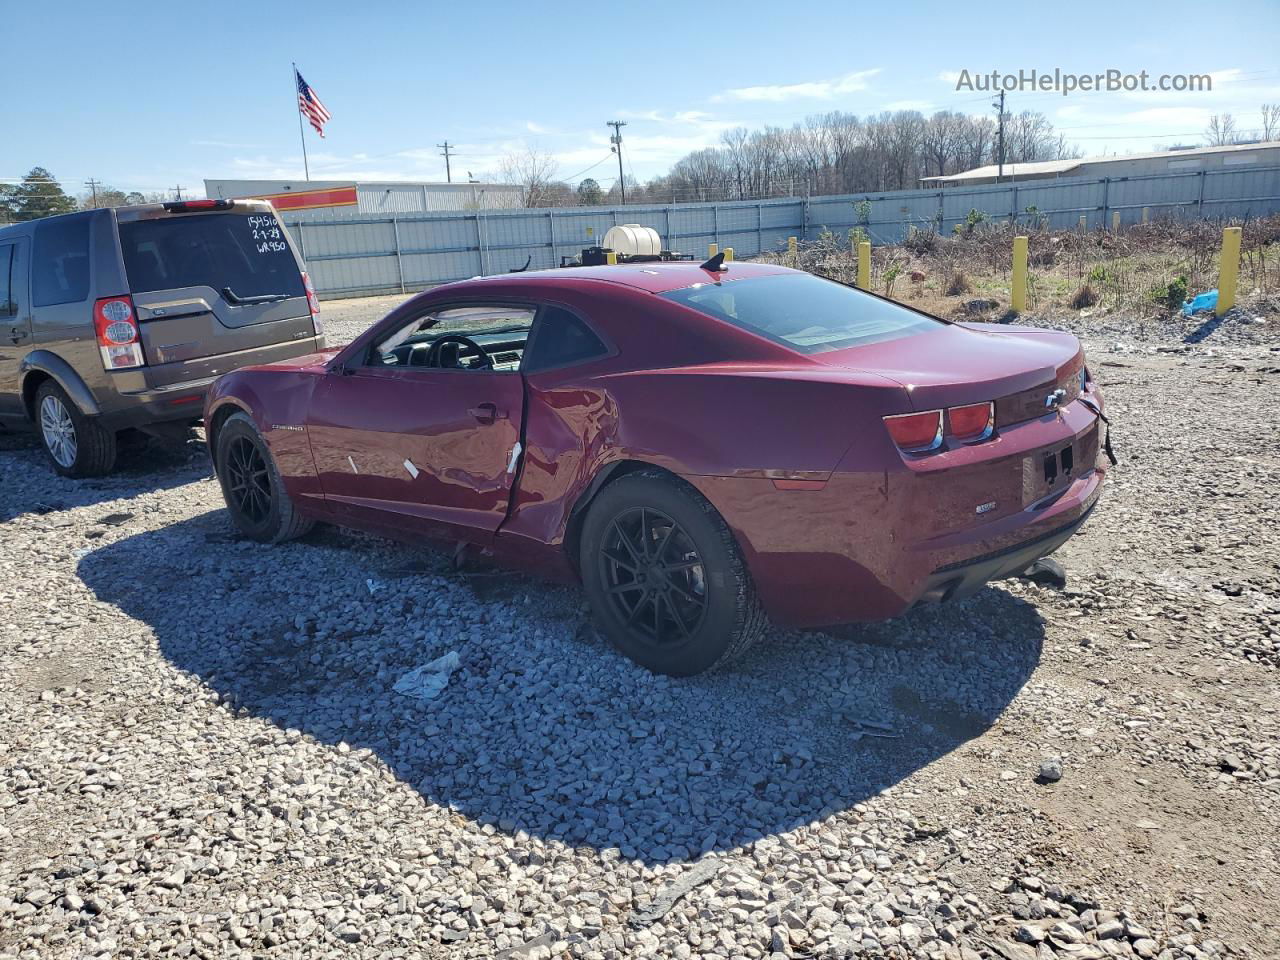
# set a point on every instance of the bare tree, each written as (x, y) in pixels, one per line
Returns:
(1221, 130)
(534, 172)
(1270, 121)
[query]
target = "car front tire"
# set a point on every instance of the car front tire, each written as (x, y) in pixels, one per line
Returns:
(259, 506)
(666, 578)
(77, 445)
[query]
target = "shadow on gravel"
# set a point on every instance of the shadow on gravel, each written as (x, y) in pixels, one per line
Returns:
(141, 467)
(543, 728)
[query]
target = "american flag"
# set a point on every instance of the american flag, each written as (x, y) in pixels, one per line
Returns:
(310, 104)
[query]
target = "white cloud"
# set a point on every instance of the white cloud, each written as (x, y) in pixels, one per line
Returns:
(810, 90)
(536, 128)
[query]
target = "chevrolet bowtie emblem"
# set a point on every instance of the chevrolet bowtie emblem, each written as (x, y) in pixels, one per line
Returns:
(1056, 397)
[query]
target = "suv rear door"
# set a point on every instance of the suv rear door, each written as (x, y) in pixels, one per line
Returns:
(211, 282)
(15, 322)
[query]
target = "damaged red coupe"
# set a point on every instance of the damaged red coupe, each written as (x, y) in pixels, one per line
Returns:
(707, 448)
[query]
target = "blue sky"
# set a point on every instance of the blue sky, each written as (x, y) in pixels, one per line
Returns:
(148, 96)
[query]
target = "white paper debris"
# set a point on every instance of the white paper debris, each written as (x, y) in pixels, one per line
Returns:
(429, 680)
(408, 465)
(354, 468)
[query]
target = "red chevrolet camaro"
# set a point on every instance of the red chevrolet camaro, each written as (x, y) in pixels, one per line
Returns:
(706, 450)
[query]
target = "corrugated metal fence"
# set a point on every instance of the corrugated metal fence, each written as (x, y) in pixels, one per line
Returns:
(370, 255)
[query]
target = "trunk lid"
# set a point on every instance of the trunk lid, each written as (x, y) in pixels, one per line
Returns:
(211, 283)
(951, 365)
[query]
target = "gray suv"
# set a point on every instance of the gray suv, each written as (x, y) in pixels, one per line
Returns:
(119, 319)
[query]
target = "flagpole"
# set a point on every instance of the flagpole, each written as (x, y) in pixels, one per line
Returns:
(302, 135)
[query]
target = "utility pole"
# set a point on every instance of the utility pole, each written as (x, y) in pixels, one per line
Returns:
(92, 184)
(616, 140)
(999, 105)
(448, 173)
(177, 192)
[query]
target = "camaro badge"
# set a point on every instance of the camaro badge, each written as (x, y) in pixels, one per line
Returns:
(985, 507)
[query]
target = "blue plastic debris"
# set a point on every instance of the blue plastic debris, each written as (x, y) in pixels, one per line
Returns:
(1201, 301)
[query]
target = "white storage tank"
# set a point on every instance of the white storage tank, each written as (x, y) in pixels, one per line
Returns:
(633, 240)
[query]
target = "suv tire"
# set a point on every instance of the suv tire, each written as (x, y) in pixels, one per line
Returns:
(666, 577)
(77, 445)
(252, 487)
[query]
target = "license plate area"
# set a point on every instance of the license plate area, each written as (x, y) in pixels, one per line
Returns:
(1047, 472)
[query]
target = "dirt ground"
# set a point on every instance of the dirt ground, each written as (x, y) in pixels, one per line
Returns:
(1149, 682)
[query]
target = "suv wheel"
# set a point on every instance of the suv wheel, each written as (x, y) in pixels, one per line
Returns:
(665, 577)
(77, 445)
(251, 485)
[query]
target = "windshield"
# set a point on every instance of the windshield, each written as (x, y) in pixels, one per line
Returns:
(803, 312)
(246, 253)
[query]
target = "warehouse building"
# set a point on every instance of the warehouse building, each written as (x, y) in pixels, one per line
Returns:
(307, 200)
(1236, 157)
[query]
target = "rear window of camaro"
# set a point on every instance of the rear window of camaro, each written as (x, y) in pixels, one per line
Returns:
(245, 252)
(803, 312)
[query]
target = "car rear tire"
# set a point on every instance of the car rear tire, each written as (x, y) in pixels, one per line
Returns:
(666, 578)
(77, 445)
(251, 485)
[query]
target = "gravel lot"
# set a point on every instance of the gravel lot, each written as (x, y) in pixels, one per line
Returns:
(201, 752)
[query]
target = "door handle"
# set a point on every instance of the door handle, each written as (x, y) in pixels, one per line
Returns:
(487, 413)
(17, 335)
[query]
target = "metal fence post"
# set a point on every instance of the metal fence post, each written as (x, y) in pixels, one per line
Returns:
(804, 218)
(715, 223)
(480, 242)
(302, 245)
(1014, 204)
(1200, 201)
(759, 229)
(666, 219)
(395, 225)
(551, 228)
(1106, 198)
(941, 212)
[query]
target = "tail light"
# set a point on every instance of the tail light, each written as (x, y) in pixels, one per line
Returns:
(116, 326)
(972, 422)
(916, 432)
(182, 206)
(313, 303)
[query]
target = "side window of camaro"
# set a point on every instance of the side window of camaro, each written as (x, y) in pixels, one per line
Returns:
(478, 337)
(561, 339)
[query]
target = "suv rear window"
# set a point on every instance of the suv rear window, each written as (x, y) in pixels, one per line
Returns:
(803, 312)
(246, 253)
(60, 272)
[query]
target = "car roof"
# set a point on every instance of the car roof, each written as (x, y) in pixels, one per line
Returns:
(651, 277)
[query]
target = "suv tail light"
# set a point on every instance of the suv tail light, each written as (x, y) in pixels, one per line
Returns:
(313, 304)
(972, 422)
(181, 206)
(916, 432)
(116, 325)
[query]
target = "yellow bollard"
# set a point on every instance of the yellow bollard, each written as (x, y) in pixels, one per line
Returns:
(1018, 301)
(1228, 269)
(1084, 221)
(728, 254)
(864, 265)
(1146, 211)
(712, 250)
(611, 258)
(793, 246)
(1115, 221)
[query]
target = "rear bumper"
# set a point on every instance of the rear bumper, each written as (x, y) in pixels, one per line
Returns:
(141, 400)
(959, 580)
(871, 545)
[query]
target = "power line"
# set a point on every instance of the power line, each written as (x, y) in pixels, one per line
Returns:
(93, 185)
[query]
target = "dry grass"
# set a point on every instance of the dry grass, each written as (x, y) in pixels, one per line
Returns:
(1130, 270)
